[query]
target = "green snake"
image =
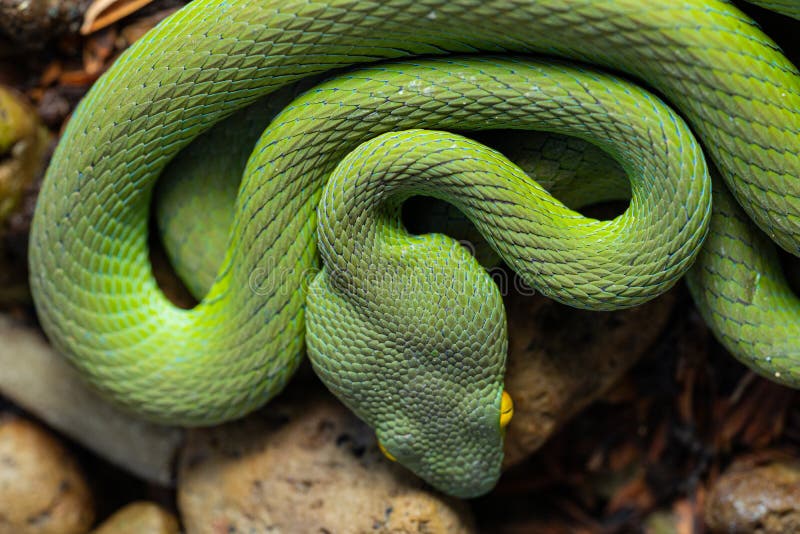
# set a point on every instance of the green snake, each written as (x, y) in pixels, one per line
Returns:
(409, 330)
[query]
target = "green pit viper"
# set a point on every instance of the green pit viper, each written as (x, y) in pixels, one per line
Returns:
(409, 330)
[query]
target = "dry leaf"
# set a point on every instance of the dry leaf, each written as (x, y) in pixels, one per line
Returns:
(98, 50)
(686, 397)
(624, 455)
(636, 493)
(102, 13)
(77, 78)
(658, 444)
(51, 73)
(687, 515)
(132, 32)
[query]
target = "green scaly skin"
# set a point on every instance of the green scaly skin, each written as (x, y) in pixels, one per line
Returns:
(430, 303)
(100, 305)
(203, 181)
(790, 8)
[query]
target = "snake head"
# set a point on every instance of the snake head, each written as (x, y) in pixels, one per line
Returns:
(420, 359)
(463, 460)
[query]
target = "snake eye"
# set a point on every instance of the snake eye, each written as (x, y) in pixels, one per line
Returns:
(506, 409)
(386, 453)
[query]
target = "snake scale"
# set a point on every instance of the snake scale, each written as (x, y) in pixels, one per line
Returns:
(408, 330)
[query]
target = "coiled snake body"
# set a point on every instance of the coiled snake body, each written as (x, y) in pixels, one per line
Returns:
(408, 330)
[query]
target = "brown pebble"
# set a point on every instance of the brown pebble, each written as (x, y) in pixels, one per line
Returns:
(22, 144)
(761, 499)
(31, 24)
(42, 490)
(23, 151)
(140, 518)
(304, 465)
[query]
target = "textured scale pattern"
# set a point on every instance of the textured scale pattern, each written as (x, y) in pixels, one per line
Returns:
(204, 180)
(790, 8)
(425, 298)
(92, 281)
(739, 287)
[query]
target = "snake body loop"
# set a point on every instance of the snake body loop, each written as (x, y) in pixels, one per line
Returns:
(90, 272)
(790, 8)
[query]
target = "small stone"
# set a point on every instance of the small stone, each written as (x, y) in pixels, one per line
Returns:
(304, 465)
(22, 144)
(661, 522)
(140, 518)
(756, 499)
(41, 380)
(42, 490)
(31, 24)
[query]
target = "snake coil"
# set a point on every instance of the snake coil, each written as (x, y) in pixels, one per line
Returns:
(407, 330)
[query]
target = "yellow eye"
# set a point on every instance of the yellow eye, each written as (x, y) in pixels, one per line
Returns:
(385, 452)
(506, 409)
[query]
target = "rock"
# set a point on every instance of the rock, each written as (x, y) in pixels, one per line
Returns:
(304, 465)
(140, 518)
(561, 359)
(681, 517)
(31, 24)
(756, 499)
(41, 380)
(661, 522)
(23, 145)
(41, 488)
